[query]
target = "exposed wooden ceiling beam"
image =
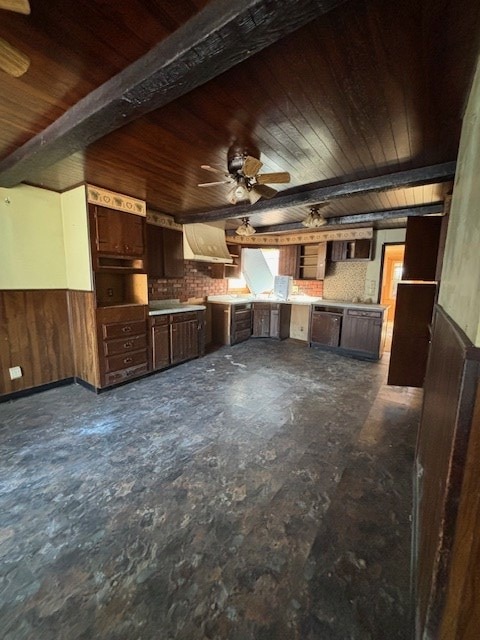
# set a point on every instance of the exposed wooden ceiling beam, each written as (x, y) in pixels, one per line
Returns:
(359, 218)
(314, 195)
(220, 36)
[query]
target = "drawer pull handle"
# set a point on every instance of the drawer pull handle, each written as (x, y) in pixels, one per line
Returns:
(127, 360)
(126, 329)
(127, 345)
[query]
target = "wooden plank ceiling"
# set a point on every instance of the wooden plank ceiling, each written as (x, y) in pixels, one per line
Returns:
(369, 88)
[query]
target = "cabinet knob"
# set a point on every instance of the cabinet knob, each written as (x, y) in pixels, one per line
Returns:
(127, 345)
(127, 360)
(126, 329)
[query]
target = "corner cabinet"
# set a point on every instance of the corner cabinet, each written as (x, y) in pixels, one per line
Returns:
(231, 323)
(271, 320)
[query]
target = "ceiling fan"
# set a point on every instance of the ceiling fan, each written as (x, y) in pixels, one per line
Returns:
(12, 60)
(248, 183)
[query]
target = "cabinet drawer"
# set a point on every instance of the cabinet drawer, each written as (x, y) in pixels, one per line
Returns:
(364, 314)
(241, 335)
(242, 313)
(157, 321)
(121, 329)
(125, 374)
(125, 360)
(183, 317)
(135, 343)
(241, 325)
(241, 308)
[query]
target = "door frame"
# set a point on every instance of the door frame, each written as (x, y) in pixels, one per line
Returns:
(382, 265)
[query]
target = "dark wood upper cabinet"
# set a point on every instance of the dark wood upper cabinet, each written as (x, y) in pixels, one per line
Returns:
(288, 260)
(351, 250)
(118, 233)
(165, 252)
(422, 248)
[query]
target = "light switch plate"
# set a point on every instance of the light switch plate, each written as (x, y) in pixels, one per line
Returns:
(15, 372)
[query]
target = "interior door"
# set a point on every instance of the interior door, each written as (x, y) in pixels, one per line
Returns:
(392, 274)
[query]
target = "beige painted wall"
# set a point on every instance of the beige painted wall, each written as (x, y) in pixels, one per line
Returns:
(372, 277)
(299, 321)
(460, 282)
(76, 239)
(31, 239)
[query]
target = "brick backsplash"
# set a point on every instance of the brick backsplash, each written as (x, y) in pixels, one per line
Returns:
(309, 287)
(196, 283)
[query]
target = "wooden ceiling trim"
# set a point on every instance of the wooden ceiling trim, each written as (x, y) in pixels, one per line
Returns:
(413, 177)
(217, 38)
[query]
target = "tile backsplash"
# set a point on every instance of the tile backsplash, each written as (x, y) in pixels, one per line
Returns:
(345, 280)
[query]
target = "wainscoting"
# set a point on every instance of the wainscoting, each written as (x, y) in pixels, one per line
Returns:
(448, 420)
(34, 335)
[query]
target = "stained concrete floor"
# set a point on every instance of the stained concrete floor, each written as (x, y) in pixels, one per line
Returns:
(261, 492)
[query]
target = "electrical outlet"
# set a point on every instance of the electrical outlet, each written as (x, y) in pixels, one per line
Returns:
(110, 292)
(15, 372)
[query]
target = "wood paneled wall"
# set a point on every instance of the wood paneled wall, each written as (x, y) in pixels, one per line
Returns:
(81, 307)
(447, 422)
(34, 334)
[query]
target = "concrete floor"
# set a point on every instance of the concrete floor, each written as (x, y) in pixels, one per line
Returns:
(261, 492)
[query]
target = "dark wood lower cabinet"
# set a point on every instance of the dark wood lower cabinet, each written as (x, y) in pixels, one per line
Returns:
(357, 332)
(184, 337)
(231, 323)
(271, 320)
(362, 331)
(176, 337)
(325, 328)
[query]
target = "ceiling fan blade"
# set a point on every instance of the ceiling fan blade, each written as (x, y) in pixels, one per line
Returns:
(19, 6)
(214, 184)
(207, 167)
(12, 61)
(273, 178)
(264, 191)
(251, 166)
(254, 196)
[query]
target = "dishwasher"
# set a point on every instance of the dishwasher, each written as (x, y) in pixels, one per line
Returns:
(325, 325)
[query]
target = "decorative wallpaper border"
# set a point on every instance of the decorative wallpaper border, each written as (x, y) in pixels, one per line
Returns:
(112, 200)
(303, 238)
(163, 220)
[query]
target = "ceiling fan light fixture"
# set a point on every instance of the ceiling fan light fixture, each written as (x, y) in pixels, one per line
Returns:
(314, 219)
(245, 229)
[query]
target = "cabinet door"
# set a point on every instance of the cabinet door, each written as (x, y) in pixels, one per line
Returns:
(165, 252)
(261, 322)
(362, 331)
(421, 248)
(119, 233)
(173, 253)
(325, 328)
(338, 251)
(161, 346)
(155, 251)
(184, 340)
(288, 261)
(321, 260)
(275, 322)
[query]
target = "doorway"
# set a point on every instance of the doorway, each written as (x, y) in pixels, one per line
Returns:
(391, 275)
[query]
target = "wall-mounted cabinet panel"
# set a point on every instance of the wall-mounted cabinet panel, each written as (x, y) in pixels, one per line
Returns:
(351, 250)
(164, 252)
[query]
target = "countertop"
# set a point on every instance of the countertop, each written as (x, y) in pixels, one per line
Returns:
(161, 307)
(232, 299)
(301, 300)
